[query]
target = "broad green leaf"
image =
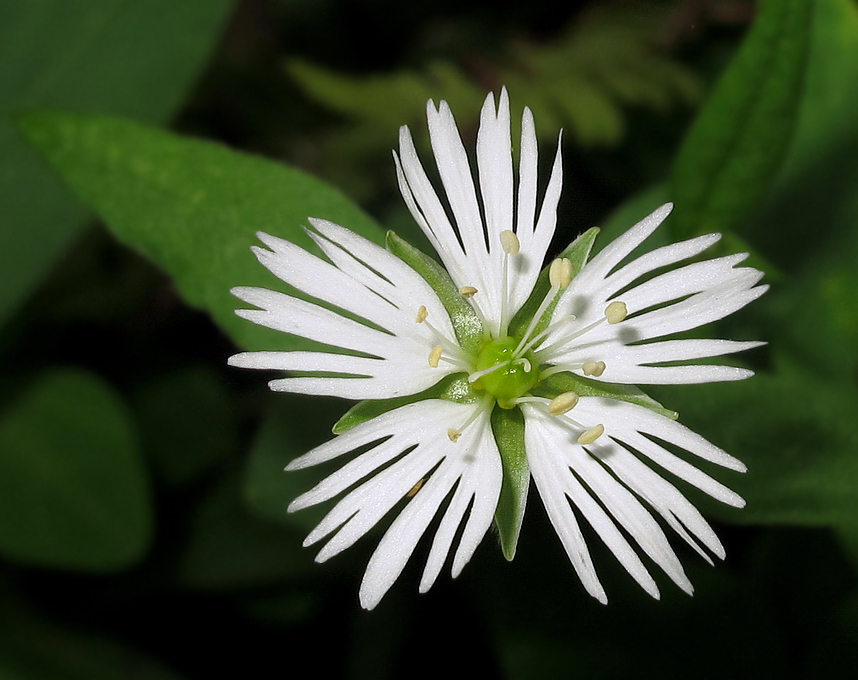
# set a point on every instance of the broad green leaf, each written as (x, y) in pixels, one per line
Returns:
(466, 323)
(188, 424)
(737, 143)
(577, 253)
(73, 489)
(191, 206)
(586, 387)
(508, 429)
(128, 58)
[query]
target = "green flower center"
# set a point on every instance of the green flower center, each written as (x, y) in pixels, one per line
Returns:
(513, 375)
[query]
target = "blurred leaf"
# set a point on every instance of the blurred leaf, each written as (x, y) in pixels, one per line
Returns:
(191, 206)
(129, 58)
(737, 143)
(73, 490)
(187, 422)
(268, 488)
(796, 433)
(609, 59)
(229, 548)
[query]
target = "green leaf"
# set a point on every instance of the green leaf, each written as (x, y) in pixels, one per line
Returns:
(73, 489)
(188, 424)
(466, 323)
(586, 387)
(128, 58)
(508, 429)
(577, 253)
(739, 139)
(191, 206)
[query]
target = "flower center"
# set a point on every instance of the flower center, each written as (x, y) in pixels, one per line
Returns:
(503, 373)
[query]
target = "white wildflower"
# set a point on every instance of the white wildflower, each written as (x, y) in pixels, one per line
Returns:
(558, 352)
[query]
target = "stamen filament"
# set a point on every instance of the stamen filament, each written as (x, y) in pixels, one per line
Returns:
(476, 375)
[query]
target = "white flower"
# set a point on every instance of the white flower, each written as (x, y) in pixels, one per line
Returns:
(497, 372)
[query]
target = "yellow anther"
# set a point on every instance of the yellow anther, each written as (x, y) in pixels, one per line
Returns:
(591, 435)
(435, 356)
(415, 489)
(594, 368)
(467, 291)
(562, 403)
(560, 273)
(453, 434)
(422, 313)
(616, 312)
(509, 241)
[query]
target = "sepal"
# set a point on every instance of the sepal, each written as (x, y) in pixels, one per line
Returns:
(466, 323)
(577, 253)
(452, 388)
(508, 429)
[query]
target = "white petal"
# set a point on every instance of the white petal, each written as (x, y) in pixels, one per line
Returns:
(407, 445)
(556, 460)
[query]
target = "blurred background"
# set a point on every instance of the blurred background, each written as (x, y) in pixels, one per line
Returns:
(143, 531)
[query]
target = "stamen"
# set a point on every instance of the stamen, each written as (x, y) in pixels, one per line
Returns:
(435, 356)
(415, 488)
(476, 375)
(453, 434)
(563, 403)
(616, 312)
(525, 362)
(594, 368)
(509, 241)
(422, 313)
(550, 329)
(560, 273)
(591, 435)
(467, 291)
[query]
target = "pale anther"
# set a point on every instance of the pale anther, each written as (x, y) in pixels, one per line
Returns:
(616, 312)
(562, 403)
(591, 435)
(467, 291)
(510, 242)
(415, 489)
(560, 273)
(435, 356)
(454, 434)
(594, 368)
(422, 313)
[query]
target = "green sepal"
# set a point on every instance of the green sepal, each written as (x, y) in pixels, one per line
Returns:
(508, 429)
(577, 253)
(466, 323)
(585, 387)
(452, 388)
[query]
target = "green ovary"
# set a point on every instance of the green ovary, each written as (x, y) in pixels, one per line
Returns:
(514, 378)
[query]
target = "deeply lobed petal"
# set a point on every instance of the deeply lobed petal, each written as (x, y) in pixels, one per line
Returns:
(606, 482)
(668, 303)
(468, 245)
(363, 280)
(408, 446)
